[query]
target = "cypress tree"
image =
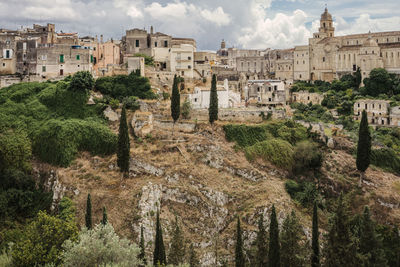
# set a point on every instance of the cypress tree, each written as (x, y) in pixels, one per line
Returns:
(315, 262)
(142, 254)
(261, 241)
(104, 221)
(357, 78)
(213, 108)
(363, 146)
(175, 101)
(193, 258)
(123, 149)
(292, 251)
(239, 256)
(177, 252)
(274, 249)
(159, 249)
(88, 215)
(341, 248)
(370, 244)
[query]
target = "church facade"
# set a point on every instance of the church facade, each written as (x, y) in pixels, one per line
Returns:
(331, 57)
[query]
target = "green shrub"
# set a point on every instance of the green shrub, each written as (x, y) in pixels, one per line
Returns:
(57, 142)
(278, 152)
(186, 108)
(166, 95)
(114, 103)
(306, 157)
(305, 192)
(15, 150)
(386, 159)
(131, 103)
(248, 135)
(122, 86)
(82, 81)
(100, 247)
(41, 242)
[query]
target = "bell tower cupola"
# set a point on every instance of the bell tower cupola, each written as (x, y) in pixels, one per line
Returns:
(326, 28)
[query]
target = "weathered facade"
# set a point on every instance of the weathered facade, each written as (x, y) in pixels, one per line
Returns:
(266, 92)
(378, 111)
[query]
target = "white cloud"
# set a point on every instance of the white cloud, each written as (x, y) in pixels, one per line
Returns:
(130, 9)
(282, 31)
(218, 16)
(48, 10)
(364, 23)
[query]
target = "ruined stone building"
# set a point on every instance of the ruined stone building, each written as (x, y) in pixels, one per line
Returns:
(378, 111)
(169, 54)
(270, 93)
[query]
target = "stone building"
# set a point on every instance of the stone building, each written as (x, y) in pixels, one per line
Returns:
(170, 54)
(266, 92)
(227, 98)
(378, 111)
(306, 97)
(62, 60)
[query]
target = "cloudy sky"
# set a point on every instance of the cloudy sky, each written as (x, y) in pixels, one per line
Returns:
(242, 23)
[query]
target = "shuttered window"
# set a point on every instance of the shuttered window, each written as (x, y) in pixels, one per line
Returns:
(61, 58)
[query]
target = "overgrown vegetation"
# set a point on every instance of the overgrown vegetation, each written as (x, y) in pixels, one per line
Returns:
(122, 86)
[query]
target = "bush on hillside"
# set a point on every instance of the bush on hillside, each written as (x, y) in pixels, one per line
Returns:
(386, 158)
(57, 142)
(122, 86)
(248, 135)
(15, 150)
(42, 239)
(304, 192)
(278, 152)
(82, 81)
(131, 103)
(306, 157)
(100, 247)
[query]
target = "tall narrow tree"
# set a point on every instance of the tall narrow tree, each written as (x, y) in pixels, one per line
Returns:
(193, 258)
(363, 146)
(142, 254)
(357, 78)
(175, 101)
(88, 215)
(370, 243)
(292, 251)
(340, 248)
(213, 108)
(104, 221)
(123, 149)
(177, 251)
(159, 256)
(274, 249)
(315, 262)
(239, 255)
(261, 242)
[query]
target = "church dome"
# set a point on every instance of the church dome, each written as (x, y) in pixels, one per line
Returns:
(326, 15)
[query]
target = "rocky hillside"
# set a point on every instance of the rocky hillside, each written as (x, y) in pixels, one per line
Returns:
(195, 174)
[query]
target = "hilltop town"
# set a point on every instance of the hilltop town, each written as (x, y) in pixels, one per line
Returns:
(145, 151)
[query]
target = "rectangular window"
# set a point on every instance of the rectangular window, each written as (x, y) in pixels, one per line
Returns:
(78, 57)
(7, 53)
(91, 59)
(4, 65)
(323, 59)
(137, 43)
(43, 68)
(165, 43)
(61, 58)
(155, 44)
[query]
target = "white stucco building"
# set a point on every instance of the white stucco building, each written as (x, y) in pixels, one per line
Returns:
(200, 99)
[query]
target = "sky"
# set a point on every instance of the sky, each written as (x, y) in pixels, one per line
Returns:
(252, 24)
